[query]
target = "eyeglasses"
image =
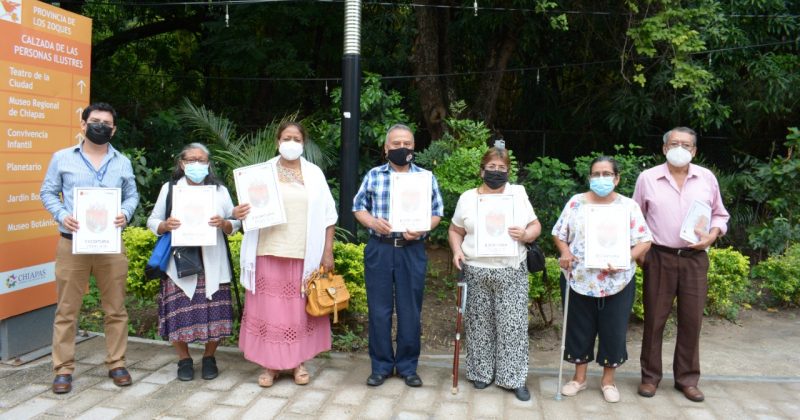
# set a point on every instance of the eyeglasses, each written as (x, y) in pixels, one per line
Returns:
(686, 146)
(602, 174)
(500, 168)
(190, 161)
(96, 121)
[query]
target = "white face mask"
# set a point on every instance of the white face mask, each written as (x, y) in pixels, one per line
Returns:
(290, 150)
(679, 157)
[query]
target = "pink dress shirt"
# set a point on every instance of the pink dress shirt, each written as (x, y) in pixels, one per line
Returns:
(665, 206)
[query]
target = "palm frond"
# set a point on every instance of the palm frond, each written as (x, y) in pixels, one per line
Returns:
(206, 126)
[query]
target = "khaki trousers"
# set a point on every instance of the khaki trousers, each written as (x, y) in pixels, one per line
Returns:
(72, 281)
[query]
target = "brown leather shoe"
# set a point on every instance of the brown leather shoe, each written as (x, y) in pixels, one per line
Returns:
(120, 376)
(62, 384)
(692, 393)
(647, 390)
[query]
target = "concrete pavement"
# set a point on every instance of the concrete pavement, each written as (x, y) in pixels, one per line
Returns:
(337, 391)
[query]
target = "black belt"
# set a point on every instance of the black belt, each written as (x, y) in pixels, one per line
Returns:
(681, 252)
(396, 242)
(66, 235)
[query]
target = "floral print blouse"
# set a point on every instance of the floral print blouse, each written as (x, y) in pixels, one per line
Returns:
(570, 228)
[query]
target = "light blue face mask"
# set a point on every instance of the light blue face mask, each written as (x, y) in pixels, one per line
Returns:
(602, 186)
(196, 172)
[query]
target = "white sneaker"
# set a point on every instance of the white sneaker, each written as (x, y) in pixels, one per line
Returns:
(572, 388)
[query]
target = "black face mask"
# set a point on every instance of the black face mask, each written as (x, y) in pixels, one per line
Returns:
(495, 179)
(98, 133)
(400, 157)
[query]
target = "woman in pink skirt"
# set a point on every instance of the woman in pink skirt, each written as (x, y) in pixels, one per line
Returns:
(276, 332)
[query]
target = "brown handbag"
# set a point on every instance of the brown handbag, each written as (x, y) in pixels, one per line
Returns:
(326, 294)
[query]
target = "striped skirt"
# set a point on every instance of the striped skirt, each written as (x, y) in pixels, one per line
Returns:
(197, 319)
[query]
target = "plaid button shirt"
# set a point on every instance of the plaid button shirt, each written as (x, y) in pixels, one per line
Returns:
(373, 195)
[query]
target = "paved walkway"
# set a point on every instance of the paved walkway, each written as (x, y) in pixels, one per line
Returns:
(337, 391)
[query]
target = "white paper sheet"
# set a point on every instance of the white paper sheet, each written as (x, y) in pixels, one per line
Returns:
(608, 236)
(194, 207)
(96, 209)
(410, 201)
(699, 216)
(495, 216)
(257, 186)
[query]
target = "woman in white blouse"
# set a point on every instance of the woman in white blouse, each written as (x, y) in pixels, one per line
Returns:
(496, 318)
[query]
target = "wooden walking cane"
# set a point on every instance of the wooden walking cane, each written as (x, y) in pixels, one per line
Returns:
(461, 304)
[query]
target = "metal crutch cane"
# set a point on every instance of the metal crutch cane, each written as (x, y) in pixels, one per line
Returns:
(563, 338)
(461, 304)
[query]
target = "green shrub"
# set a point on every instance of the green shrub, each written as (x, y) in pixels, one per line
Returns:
(547, 292)
(638, 304)
(549, 185)
(456, 174)
(780, 275)
(728, 282)
(349, 262)
(139, 243)
(235, 243)
(774, 189)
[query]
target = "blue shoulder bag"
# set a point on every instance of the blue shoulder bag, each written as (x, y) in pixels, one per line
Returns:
(157, 264)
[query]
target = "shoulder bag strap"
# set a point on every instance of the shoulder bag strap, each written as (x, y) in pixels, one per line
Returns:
(168, 211)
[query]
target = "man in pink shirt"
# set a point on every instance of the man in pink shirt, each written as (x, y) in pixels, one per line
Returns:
(675, 267)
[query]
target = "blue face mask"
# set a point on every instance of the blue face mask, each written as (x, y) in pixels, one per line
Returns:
(602, 186)
(196, 172)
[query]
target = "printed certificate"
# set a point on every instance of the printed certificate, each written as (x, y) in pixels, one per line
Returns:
(699, 216)
(256, 185)
(608, 236)
(410, 201)
(194, 206)
(495, 216)
(96, 209)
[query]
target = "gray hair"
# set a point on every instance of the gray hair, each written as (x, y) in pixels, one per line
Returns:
(398, 127)
(686, 130)
(191, 146)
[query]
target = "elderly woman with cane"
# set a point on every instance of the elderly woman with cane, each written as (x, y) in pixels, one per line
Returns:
(496, 316)
(600, 300)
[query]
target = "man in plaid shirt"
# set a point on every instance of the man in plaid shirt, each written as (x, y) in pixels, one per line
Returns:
(394, 264)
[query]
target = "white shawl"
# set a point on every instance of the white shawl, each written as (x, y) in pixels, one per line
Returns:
(321, 214)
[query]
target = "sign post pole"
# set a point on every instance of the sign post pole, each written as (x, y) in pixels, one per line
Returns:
(44, 85)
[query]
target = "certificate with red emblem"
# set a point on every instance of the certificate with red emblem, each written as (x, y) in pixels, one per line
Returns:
(495, 214)
(95, 209)
(256, 185)
(410, 201)
(608, 236)
(194, 207)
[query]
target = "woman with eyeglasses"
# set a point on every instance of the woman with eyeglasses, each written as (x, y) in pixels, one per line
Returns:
(276, 261)
(600, 299)
(196, 308)
(496, 319)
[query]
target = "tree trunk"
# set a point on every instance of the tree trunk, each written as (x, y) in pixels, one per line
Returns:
(485, 102)
(425, 58)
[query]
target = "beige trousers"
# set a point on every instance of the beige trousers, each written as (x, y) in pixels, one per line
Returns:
(72, 281)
